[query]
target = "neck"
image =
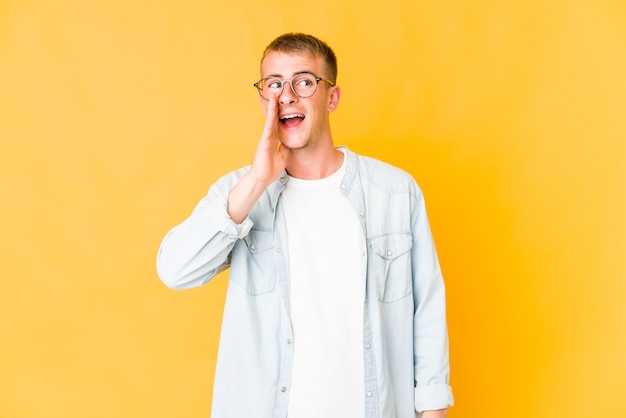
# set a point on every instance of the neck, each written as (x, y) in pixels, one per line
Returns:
(307, 164)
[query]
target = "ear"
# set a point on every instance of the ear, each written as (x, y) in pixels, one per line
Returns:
(333, 98)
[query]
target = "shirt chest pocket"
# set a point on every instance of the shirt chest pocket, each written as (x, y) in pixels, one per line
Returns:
(259, 275)
(389, 266)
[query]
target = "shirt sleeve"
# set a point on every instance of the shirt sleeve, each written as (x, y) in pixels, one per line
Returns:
(431, 353)
(196, 250)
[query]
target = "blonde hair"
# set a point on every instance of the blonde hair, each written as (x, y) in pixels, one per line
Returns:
(301, 43)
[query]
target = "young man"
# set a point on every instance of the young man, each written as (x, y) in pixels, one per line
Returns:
(336, 303)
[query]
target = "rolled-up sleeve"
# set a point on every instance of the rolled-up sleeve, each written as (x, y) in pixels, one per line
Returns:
(196, 250)
(431, 352)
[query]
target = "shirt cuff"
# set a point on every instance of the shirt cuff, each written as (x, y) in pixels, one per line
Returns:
(217, 210)
(433, 397)
(243, 228)
(233, 230)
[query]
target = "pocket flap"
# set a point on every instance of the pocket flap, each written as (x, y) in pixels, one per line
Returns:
(258, 240)
(392, 245)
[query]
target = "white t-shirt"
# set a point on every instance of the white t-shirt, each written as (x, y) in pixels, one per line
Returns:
(327, 290)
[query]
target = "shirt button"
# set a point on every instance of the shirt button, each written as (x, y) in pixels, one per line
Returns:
(389, 252)
(343, 186)
(361, 214)
(289, 341)
(283, 389)
(253, 247)
(367, 346)
(277, 250)
(369, 394)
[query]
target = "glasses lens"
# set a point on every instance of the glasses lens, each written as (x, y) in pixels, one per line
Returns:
(304, 85)
(270, 87)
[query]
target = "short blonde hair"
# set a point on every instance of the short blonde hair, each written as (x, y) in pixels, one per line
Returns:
(301, 43)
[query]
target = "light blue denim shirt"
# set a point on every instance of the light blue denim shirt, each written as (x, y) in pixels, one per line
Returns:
(405, 340)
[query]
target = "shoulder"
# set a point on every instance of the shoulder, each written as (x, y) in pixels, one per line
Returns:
(372, 165)
(380, 174)
(230, 179)
(223, 185)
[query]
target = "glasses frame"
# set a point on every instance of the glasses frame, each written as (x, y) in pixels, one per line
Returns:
(282, 82)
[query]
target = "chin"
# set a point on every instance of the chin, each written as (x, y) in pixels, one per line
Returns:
(293, 143)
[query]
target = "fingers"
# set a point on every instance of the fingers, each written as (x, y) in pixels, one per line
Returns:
(271, 119)
(272, 109)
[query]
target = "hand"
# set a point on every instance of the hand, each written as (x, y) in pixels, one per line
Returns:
(270, 158)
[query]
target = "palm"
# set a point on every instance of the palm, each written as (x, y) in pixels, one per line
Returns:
(270, 157)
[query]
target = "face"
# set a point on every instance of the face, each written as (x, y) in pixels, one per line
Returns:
(302, 122)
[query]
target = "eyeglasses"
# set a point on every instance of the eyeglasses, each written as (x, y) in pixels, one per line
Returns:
(302, 85)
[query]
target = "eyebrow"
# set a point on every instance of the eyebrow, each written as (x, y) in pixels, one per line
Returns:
(293, 75)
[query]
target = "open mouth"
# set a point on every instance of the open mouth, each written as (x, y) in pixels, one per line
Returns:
(291, 120)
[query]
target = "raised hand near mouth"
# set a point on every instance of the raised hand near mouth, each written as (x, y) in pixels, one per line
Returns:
(268, 164)
(270, 157)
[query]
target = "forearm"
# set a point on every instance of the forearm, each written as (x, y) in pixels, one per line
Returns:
(440, 413)
(243, 197)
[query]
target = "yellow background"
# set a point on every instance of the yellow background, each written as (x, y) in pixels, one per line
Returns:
(116, 116)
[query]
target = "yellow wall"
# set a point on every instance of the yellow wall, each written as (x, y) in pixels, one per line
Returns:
(116, 116)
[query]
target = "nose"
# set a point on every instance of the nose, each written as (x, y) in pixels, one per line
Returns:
(287, 96)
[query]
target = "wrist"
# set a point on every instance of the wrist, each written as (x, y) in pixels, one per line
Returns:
(439, 413)
(256, 182)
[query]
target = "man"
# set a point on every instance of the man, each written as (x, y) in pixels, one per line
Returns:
(336, 303)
